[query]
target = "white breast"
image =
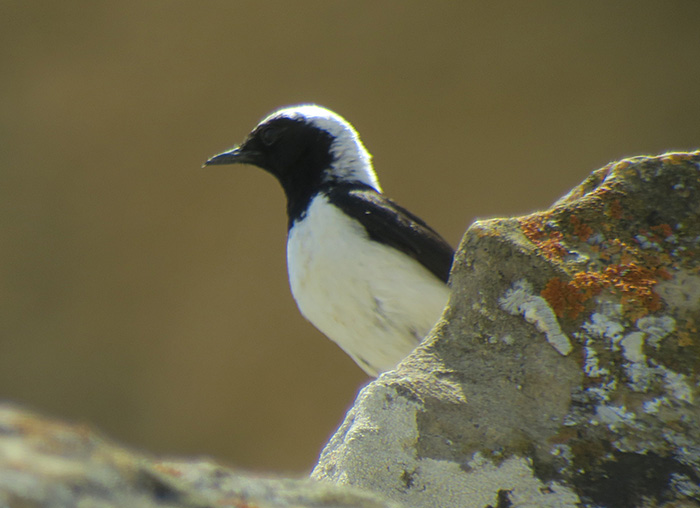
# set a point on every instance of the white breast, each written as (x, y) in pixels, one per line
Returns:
(372, 300)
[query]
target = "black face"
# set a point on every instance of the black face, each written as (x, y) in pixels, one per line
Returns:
(294, 151)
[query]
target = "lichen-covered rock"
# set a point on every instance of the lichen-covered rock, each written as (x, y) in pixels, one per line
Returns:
(49, 464)
(564, 371)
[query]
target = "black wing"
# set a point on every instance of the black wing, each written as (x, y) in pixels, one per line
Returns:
(392, 225)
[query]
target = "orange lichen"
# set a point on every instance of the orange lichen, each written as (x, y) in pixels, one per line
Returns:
(688, 333)
(663, 230)
(569, 298)
(552, 247)
(563, 298)
(631, 273)
(664, 274)
(634, 283)
(627, 257)
(589, 283)
(582, 230)
(532, 228)
(614, 210)
(549, 242)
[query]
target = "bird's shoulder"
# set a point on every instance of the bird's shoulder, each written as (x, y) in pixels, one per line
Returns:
(388, 223)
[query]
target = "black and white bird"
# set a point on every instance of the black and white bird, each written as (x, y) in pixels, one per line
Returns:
(366, 272)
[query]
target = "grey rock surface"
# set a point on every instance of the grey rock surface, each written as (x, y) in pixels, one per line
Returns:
(565, 369)
(51, 464)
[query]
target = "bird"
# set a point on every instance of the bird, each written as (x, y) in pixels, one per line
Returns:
(367, 273)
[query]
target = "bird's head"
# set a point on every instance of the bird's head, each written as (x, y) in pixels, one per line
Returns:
(304, 147)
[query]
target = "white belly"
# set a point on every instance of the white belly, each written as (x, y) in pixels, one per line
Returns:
(372, 300)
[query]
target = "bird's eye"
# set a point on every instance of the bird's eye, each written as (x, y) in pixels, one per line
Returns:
(269, 135)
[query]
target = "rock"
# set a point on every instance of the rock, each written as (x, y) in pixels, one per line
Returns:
(51, 464)
(564, 373)
(565, 369)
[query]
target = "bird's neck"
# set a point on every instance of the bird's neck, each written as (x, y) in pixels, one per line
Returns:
(312, 173)
(298, 206)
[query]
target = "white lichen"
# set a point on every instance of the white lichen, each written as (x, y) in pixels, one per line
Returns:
(656, 328)
(508, 340)
(591, 366)
(614, 417)
(677, 384)
(602, 392)
(640, 376)
(562, 450)
(685, 486)
(633, 347)
(652, 406)
(684, 449)
(521, 300)
(604, 326)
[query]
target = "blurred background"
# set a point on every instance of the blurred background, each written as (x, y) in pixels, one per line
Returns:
(148, 297)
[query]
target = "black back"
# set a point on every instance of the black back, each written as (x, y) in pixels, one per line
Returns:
(392, 225)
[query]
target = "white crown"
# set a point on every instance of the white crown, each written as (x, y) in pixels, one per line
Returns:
(351, 160)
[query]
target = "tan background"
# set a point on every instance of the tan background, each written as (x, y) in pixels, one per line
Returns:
(149, 297)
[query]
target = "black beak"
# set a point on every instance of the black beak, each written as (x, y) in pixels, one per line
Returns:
(236, 155)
